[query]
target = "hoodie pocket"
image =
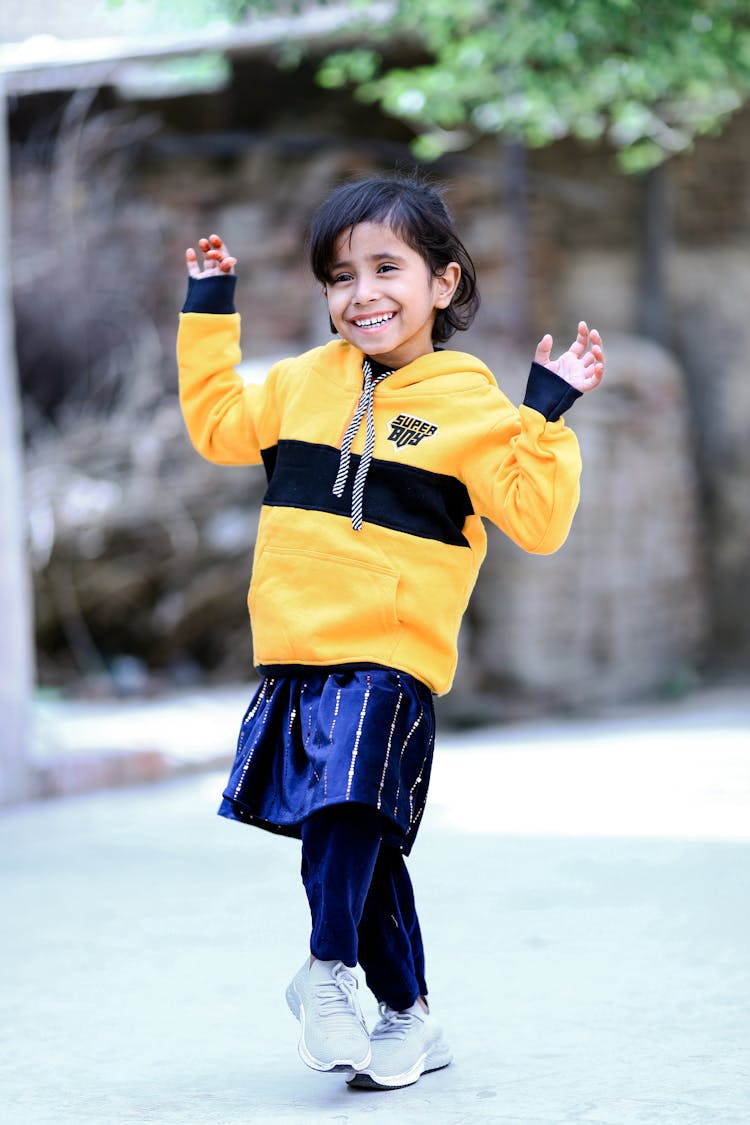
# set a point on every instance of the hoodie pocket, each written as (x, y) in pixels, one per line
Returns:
(310, 607)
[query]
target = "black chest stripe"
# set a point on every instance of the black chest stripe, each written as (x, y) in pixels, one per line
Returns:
(400, 497)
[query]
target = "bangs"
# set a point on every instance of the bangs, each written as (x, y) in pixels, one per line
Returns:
(374, 206)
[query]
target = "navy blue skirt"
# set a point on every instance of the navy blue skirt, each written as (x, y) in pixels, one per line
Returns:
(322, 738)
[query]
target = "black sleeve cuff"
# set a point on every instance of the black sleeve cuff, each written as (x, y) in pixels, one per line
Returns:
(210, 295)
(548, 393)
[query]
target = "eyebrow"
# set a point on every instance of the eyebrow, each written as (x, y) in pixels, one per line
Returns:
(378, 256)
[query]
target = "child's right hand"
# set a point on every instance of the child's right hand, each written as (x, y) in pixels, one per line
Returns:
(216, 258)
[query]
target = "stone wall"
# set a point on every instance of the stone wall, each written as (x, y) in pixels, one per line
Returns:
(620, 610)
(597, 269)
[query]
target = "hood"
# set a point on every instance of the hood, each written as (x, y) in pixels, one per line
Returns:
(442, 372)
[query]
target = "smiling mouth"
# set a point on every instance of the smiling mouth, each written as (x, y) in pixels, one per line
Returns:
(374, 321)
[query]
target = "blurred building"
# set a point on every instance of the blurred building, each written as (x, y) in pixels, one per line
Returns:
(122, 157)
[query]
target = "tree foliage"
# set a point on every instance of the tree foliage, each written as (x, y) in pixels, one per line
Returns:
(647, 78)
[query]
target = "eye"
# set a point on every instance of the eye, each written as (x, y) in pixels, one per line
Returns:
(340, 277)
(386, 267)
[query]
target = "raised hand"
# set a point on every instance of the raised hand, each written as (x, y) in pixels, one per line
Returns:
(216, 258)
(582, 365)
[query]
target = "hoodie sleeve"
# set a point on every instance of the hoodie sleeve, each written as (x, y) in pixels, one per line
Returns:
(229, 422)
(523, 471)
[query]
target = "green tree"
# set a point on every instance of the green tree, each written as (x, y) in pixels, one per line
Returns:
(648, 78)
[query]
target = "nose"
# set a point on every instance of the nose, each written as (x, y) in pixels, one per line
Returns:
(366, 289)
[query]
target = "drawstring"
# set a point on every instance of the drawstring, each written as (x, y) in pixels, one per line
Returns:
(363, 406)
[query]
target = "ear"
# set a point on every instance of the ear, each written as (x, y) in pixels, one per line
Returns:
(446, 284)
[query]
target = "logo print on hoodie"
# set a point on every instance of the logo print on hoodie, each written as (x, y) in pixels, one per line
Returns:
(406, 430)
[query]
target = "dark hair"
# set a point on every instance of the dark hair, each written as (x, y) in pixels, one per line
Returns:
(416, 212)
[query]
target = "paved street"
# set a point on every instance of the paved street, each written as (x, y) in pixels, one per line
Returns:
(586, 915)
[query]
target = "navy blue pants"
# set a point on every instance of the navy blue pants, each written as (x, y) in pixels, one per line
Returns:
(362, 902)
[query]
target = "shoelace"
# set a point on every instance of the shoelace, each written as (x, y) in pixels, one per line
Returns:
(341, 989)
(364, 406)
(392, 1024)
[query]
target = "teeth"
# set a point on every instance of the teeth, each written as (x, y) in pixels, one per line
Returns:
(374, 320)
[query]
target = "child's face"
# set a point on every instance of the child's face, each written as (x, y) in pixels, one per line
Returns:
(382, 297)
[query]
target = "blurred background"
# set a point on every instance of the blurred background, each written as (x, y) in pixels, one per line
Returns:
(598, 167)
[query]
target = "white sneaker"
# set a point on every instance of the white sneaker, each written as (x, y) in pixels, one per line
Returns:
(323, 997)
(405, 1045)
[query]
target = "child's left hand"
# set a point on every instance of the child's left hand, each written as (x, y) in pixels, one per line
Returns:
(580, 367)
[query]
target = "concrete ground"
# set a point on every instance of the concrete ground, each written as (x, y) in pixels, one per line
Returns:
(584, 890)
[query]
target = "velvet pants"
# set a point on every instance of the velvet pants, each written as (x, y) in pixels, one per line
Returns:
(362, 902)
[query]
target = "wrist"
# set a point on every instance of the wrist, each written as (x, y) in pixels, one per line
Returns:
(211, 294)
(548, 393)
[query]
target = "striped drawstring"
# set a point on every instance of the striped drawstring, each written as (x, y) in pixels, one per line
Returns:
(363, 406)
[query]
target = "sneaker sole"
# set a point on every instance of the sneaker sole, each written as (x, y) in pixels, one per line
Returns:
(297, 1009)
(437, 1058)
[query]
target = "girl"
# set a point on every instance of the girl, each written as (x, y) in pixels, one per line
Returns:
(383, 454)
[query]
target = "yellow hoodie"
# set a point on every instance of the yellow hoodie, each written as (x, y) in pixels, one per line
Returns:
(449, 450)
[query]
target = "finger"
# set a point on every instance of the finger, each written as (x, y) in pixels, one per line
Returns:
(594, 355)
(594, 375)
(227, 265)
(204, 244)
(191, 261)
(543, 350)
(578, 347)
(218, 254)
(217, 245)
